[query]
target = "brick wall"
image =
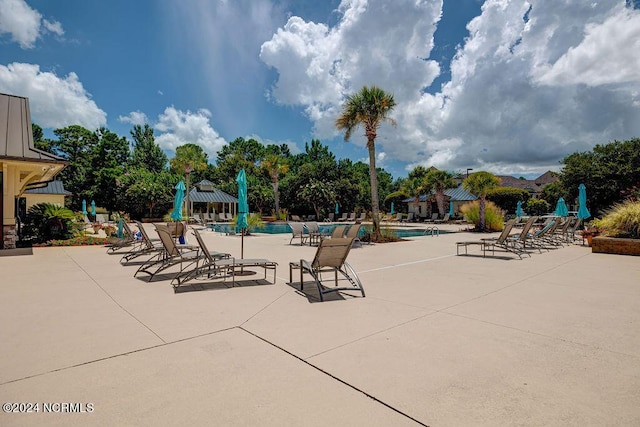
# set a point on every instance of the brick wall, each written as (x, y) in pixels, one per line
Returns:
(9, 237)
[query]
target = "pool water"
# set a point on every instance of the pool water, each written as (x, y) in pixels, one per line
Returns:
(283, 228)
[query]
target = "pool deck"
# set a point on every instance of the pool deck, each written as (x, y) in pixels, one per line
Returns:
(439, 340)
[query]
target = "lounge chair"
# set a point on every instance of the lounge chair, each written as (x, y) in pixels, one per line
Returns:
(314, 233)
(352, 233)
(127, 241)
(206, 265)
(147, 246)
(491, 243)
(297, 230)
(330, 218)
(330, 257)
(182, 255)
(518, 242)
(295, 218)
(343, 217)
(409, 217)
(445, 219)
(338, 232)
(352, 216)
(362, 217)
(433, 218)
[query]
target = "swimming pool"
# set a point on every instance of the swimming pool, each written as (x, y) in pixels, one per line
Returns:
(283, 228)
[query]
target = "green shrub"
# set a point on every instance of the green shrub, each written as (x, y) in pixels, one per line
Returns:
(622, 220)
(47, 221)
(493, 215)
(506, 198)
(537, 207)
(254, 221)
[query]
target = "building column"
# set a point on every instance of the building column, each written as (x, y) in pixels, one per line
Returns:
(9, 233)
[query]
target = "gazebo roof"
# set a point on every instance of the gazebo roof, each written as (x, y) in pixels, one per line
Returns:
(215, 196)
(455, 195)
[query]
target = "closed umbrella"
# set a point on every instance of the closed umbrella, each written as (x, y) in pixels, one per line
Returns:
(583, 212)
(243, 207)
(561, 208)
(393, 208)
(84, 207)
(336, 211)
(450, 209)
(176, 214)
(120, 233)
(519, 212)
(93, 208)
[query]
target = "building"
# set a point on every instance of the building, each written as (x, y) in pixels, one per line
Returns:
(533, 186)
(22, 166)
(427, 205)
(204, 197)
(53, 193)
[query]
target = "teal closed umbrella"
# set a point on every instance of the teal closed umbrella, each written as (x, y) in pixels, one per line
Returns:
(120, 232)
(393, 209)
(176, 214)
(93, 208)
(336, 211)
(583, 212)
(243, 207)
(561, 208)
(450, 209)
(84, 207)
(519, 212)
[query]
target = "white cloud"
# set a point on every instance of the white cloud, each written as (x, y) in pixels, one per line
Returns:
(25, 24)
(609, 53)
(179, 127)
(135, 118)
(531, 83)
(54, 101)
(319, 66)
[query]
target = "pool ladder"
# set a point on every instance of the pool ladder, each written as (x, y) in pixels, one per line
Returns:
(434, 231)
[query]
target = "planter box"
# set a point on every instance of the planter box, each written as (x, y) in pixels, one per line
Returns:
(615, 245)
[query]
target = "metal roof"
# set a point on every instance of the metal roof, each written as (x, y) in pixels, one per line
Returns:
(52, 187)
(215, 196)
(455, 194)
(16, 136)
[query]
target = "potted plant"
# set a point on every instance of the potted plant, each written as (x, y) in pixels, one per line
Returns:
(589, 233)
(96, 227)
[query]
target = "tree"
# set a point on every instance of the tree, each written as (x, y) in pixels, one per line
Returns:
(75, 144)
(146, 153)
(318, 194)
(506, 198)
(39, 141)
(108, 159)
(607, 170)
(438, 181)
(142, 192)
(189, 157)
(275, 165)
(368, 108)
(479, 183)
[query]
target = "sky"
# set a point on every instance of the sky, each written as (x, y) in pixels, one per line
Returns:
(507, 86)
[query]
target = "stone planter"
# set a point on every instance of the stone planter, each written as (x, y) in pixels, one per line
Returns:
(615, 245)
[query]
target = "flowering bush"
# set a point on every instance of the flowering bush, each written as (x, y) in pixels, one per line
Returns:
(75, 241)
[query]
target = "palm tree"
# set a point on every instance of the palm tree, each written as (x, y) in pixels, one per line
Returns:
(479, 183)
(412, 187)
(438, 181)
(275, 166)
(189, 157)
(368, 108)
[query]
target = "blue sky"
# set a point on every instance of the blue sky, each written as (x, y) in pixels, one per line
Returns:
(499, 85)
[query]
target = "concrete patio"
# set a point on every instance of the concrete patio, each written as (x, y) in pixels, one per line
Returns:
(439, 340)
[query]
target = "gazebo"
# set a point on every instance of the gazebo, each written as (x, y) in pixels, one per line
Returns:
(211, 200)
